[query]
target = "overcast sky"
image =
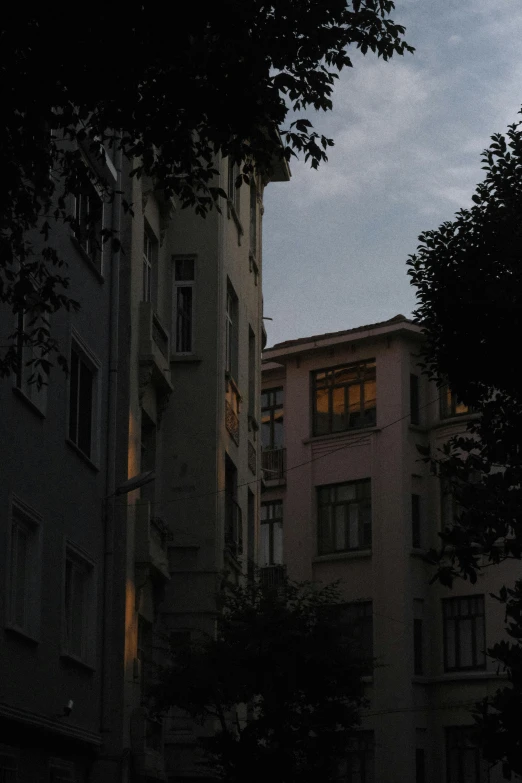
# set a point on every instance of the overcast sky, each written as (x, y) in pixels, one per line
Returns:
(408, 140)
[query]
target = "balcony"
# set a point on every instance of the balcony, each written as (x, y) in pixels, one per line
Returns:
(147, 745)
(232, 422)
(272, 576)
(154, 349)
(151, 547)
(273, 465)
(233, 527)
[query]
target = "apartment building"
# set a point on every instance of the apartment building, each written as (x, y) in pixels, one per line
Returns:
(131, 484)
(348, 498)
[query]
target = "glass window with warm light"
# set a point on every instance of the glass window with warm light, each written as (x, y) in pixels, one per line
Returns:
(344, 398)
(450, 405)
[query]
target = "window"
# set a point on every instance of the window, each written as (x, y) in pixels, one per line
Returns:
(415, 521)
(150, 266)
(344, 517)
(464, 763)
(8, 764)
(89, 221)
(344, 398)
(358, 765)
(184, 284)
(232, 190)
(253, 218)
(231, 333)
(252, 365)
(271, 541)
(418, 637)
(61, 771)
(272, 418)
(420, 755)
(414, 399)
(33, 332)
(79, 606)
(450, 405)
(23, 610)
(464, 633)
(450, 509)
(83, 401)
(357, 620)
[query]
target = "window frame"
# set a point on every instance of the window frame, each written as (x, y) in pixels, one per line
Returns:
(89, 182)
(232, 332)
(271, 410)
(449, 404)
(176, 312)
(365, 541)
(24, 517)
(478, 655)
(361, 366)
(93, 364)
(271, 522)
(463, 741)
(84, 564)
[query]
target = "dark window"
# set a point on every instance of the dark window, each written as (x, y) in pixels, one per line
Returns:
(415, 521)
(184, 305)
(358, 765)
(231, 333)
(464, 633)
(81, 402)
(344, 398)
(271, 543)
(356, 621)
(344, 517)
(414, 399)
(272, 418)
(464, 761)
(89, 221)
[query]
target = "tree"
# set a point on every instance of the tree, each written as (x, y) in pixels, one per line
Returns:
(281, 654)
(169, 98)
(468, 275)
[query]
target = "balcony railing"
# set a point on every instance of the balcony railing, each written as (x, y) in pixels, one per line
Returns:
(233, 527)
(273, 463)
(151, 547)
(160, 336)
(154, 348)
(232, 421)
(272, 576)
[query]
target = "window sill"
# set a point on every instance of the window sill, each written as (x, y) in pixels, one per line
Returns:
(70, 659)
(83, 456)
(29, 403)
(88, 260)
(25, 636)
(450, 420)
(467, 676)
(180, 358)
(356, 554)
(336, 435)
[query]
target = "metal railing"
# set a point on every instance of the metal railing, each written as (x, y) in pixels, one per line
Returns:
(272, 576)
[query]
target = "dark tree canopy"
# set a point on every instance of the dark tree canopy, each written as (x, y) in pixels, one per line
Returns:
(221, 78)
(468, 275)
(283, 654)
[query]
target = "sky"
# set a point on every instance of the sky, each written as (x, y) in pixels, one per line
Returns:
(408, 135)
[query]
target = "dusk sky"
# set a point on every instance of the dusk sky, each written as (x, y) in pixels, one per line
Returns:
(408, 140)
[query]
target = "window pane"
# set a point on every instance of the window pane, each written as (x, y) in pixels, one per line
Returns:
(73, 399)
(369, 402)
(449, 638)
(277, 529)
(21, 575)
(183, 319)
(466, 642)
(354, 539)
(338, 408)
(321, 412)
(326, 541)
(264, 545)
(85, 409)
(278, 429)
(354, 405)
(346, 491)
(340, 528)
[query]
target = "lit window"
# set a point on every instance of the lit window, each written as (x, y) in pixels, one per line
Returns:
(272, 418)
(24, 570)
(344, 517)
(79, 607)
(184, 284)
(271, 535)
(82, 401)
(344, 398)
(450, 405)
(89, 221)
(464, 633)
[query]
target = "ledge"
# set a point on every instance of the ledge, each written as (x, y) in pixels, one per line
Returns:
(187, 358)
(336, 435)
(22, 635)
(69, 659)
(29, 403)
(451, 421)
(356, 554)
(88, 461)
(469, 676)
(49, 723)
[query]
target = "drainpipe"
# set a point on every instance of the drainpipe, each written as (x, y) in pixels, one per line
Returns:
(110, 469)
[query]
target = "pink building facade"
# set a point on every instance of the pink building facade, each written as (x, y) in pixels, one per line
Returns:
(347, 498)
